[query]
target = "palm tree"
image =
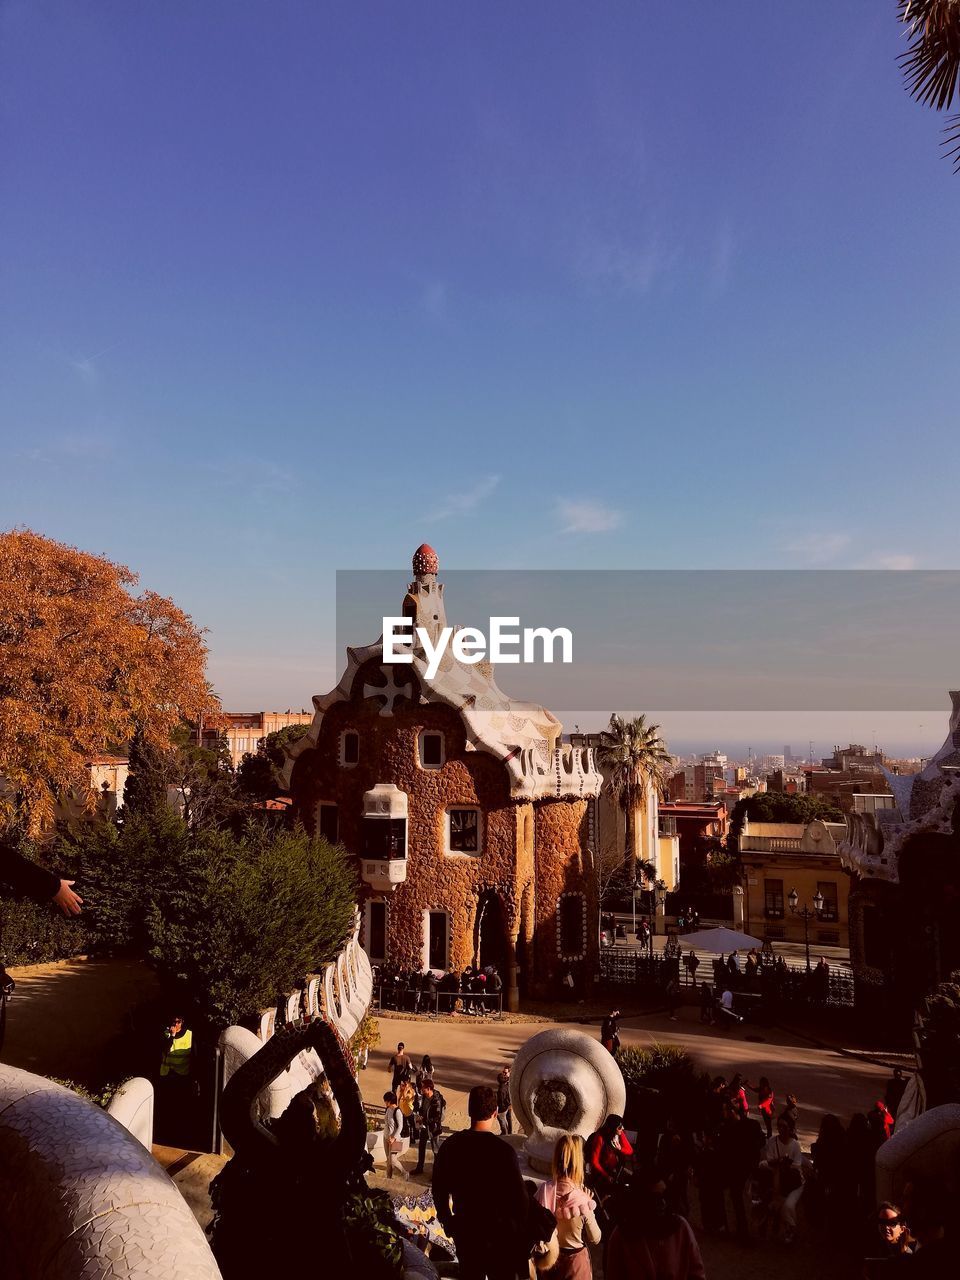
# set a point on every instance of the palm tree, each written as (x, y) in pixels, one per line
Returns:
(931, 64)
(634, 757)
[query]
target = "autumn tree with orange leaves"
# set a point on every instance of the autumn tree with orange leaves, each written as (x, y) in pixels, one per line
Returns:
(84, 661)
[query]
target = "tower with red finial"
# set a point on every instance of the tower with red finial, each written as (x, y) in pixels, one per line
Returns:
(424, 599)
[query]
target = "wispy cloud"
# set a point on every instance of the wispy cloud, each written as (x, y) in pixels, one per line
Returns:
(581, 515)
(69, 449)
(896, 561)
(628, 268)
(819, 548)
(459, 504)
(85, 367)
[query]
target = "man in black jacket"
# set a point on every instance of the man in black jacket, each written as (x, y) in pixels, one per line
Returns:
(480, 1196)
(27, 880)
(429, 1112)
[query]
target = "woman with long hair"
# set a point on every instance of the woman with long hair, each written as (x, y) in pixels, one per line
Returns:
(406, 1101)
(829, 1192)
(425, 1072)
(606, 1153)
(574, 1209)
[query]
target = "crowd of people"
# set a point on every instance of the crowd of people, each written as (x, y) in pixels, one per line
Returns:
(476, 991)
(505, 1227)
(415, 1108)
(734, 1153)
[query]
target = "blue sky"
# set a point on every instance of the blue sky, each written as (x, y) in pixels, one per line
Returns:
(291, 287)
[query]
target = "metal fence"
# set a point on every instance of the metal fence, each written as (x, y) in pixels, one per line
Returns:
(402, 999)
(773, 987)
(621, 967)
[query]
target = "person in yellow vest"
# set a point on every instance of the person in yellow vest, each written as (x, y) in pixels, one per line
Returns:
(176, 1086)
(178, 1046)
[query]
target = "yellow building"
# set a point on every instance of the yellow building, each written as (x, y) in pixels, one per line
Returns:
(779, 857)
(657, 839)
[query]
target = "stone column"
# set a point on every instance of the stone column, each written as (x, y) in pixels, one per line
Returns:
(738, 901)
(512, 986)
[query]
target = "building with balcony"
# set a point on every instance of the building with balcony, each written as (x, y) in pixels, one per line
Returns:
(464, 808)
(778, 857)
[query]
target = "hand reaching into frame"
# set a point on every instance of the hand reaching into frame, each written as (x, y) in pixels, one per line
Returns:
(70, 903)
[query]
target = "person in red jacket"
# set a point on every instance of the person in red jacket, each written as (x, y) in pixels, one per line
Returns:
(881, 1121)
(606, 1154)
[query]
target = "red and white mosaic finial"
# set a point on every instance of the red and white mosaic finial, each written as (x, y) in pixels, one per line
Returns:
(425, 560)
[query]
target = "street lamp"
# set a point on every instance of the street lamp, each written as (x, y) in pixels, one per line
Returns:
(806, 914)
(633, 902)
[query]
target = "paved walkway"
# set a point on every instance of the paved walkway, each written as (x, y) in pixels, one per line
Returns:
(466, 1053)
(67, 1018)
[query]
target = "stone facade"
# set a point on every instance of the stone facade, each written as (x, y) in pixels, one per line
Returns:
(485, 829)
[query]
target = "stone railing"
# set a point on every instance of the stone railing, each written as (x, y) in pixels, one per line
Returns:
(340, 996)
(79, 1195)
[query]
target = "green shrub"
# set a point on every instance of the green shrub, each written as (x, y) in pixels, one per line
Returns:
(124, 875)
(100, 1098)
(661, 1064)
(665, 1069)
(375, 1245)
(33, 934)
(243, 918)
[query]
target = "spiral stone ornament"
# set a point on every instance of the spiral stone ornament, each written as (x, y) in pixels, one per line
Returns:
(563, 1082)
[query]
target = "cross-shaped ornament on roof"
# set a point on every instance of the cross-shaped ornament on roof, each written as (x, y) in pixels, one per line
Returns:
(389, 690)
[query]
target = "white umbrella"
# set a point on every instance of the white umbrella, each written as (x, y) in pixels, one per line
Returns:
(718, 940)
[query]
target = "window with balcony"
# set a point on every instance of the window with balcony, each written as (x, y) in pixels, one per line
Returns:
(463, 831)
(349, 748)
(773, 899)
(430, 750)
(384, 837)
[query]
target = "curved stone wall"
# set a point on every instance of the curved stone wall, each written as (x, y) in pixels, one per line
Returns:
(80, 1197)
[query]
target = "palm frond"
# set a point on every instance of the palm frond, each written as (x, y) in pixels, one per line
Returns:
(931, 65)
(951, 142)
